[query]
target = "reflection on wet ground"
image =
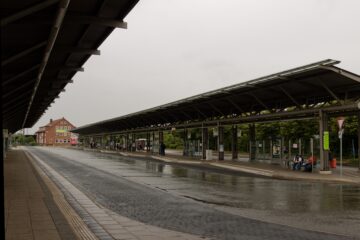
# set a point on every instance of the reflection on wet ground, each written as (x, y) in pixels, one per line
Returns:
(243, 191)
(324, 207)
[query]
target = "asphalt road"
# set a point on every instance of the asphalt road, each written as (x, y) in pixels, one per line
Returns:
(205, 203)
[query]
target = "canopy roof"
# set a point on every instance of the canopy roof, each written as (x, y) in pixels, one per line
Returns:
(300, 88)
(44, 44)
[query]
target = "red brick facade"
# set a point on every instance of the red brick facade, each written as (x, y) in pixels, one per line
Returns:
(56, 132)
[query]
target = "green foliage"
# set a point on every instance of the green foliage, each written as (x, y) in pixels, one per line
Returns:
(350, 139)
(289, 130)
(20, 139)
(173, 140)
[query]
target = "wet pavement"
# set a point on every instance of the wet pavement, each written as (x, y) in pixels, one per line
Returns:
(208, 203)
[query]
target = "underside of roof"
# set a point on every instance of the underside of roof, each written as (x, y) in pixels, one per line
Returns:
(303, 88)
(44, 44)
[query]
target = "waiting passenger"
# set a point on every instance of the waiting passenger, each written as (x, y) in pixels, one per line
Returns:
(297, 162)
(310, 163)
(162, 148)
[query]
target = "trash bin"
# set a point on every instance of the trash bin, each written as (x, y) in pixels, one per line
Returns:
(208, 154)
(333, 163)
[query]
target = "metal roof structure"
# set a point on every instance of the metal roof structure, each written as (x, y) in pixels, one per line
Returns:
(44, 44)
(297, 92)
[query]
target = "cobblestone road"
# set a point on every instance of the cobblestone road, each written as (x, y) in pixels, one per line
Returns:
(160, 208)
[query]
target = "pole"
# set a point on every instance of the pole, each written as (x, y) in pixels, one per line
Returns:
(358, 135)
(353, 149)
(341, 156)
(312, 153)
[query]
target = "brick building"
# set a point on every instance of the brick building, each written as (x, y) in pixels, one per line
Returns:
(56, 132)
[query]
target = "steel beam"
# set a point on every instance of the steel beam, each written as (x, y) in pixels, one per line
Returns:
(77, 50)
(173, 115)
(70, 69)
(28, 11)
(18, 88)
(58, 82)
(279, 116)
(22, 53)
(14, 99)
(342, 72)
(10, 80)
(198, 110)
(290, 97)
(11, 116)
(73, 19)
(216, 108)
(53, 36)
(234, 104)
(16, 107)
(186, 115)
(259, 101)
(330, 92)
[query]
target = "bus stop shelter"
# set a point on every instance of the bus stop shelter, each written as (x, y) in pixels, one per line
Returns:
(319, 90)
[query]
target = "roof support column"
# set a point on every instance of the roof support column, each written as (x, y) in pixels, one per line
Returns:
(282, 150)
(234, 142)
(161, 141)
(205, 140)
(358, 133)
(133, 142)
(324, 154)
(290, 153)
(221, 142)
(147, 141)
(252, 143)
(126, 148)
(103, 141)
(185, 151)
(5, 142)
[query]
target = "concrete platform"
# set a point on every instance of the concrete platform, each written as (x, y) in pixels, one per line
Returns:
(30, 210)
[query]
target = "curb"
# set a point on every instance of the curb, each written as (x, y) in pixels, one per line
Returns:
(74, 220)
(243, 169)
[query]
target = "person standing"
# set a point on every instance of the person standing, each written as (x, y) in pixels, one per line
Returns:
(162, 149)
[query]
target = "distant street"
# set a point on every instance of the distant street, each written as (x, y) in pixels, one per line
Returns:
(211, 204)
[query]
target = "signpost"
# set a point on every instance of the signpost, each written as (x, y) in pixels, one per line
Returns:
(312, 153)
(340, 121)
(326, 140)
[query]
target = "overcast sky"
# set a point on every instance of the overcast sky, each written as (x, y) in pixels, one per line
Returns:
(174, 49)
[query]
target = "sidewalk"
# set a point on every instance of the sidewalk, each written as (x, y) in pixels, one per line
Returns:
(30, 211)
(36, 208)
(350, 175)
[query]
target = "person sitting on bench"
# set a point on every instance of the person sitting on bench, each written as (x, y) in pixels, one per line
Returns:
(310, 163)
(296, 162)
